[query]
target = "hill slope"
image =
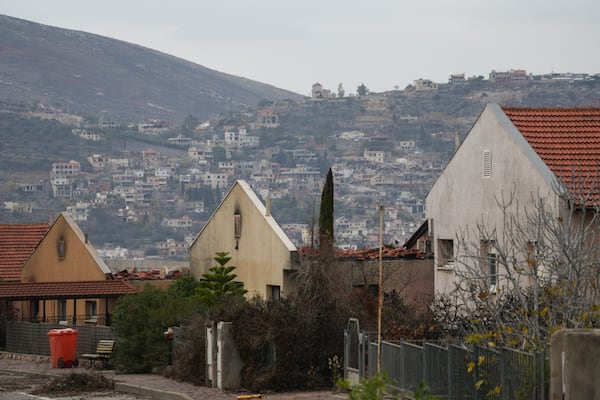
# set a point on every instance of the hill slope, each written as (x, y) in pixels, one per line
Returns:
(89, 74)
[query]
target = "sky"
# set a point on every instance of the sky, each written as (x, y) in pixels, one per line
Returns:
(385, 44)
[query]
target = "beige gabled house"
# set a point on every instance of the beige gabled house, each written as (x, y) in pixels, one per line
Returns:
(264, 257)
(63, 279)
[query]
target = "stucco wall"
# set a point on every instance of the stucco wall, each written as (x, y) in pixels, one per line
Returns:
(260, 255)
(411, 279)
(461, 197)
(78, 263)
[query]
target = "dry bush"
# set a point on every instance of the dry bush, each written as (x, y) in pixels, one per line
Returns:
(76, 383)
(189, 353)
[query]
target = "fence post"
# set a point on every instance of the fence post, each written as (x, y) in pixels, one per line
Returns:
(402, 369)
(363, 345)
(503, 383)
(476, 372)
(542, 356)
(449, 372)
(346, 353)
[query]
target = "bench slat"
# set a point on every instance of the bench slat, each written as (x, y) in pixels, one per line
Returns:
(104, 350)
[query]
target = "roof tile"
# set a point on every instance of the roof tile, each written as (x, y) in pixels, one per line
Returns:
(568, 141)
(17, 243)
(64, 290)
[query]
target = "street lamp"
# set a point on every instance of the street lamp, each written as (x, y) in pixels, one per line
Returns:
(380, 294)
(169, 336)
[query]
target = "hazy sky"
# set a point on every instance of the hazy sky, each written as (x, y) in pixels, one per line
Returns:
(383, 43)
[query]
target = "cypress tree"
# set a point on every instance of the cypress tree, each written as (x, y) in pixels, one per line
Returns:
(326, 217)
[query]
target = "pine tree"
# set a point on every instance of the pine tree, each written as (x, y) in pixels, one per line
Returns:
(220, 282)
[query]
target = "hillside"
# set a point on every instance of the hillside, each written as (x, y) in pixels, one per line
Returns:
(92, 75)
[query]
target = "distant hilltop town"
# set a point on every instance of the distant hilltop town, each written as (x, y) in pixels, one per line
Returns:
(513, 76)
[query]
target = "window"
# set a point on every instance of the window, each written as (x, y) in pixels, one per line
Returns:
(90, 309)
(237, 229)
(34, 307)
(60, 248)
(62, 311)
(487, 163)
(446, 256)
(489, 263)
(492, 265)
(237, 220)
(273, 292)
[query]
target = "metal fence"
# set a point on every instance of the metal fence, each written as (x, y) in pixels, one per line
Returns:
(32, 338)
(455, 372)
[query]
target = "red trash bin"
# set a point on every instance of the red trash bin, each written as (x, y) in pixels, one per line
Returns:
(63, 347)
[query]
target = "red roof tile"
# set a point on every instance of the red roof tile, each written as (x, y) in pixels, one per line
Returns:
(64, 290)
(17, 243)
(568, 141)
(370, 253)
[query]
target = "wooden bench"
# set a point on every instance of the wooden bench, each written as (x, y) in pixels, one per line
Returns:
(103, 353)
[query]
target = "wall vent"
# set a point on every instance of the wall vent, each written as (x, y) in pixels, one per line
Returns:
(487, 163)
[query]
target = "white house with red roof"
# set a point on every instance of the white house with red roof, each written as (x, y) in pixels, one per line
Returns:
(517, 156)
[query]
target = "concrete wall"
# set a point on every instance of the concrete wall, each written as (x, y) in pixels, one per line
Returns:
(223, 362)
(462, 197)
(574, 371)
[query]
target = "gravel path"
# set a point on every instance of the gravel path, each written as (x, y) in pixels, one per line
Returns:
(25, 374)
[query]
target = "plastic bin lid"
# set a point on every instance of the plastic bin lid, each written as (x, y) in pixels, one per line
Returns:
(66, 331)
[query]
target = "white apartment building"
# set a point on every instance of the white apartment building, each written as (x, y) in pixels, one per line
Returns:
(215, 181)
(376, 156)
(71, 168)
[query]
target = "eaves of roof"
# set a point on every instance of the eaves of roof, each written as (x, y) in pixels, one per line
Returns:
(10, 291)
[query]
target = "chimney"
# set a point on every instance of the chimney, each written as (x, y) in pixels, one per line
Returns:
(456, 140)
(268, 210)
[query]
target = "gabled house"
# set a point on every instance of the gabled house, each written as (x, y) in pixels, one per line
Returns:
(515, 154)
(242, 226)
(61, 277)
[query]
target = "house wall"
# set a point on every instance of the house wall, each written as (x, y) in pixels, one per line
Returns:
(259, 254)
(411, 279)
(80, 263)
(462, 197)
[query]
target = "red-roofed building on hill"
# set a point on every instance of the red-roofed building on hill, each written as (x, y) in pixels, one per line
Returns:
(518, 156)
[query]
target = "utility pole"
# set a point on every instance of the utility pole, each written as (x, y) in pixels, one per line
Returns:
(380, 295)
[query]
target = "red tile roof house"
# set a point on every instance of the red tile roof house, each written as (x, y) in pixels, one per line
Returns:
(53, 274)
(522, 153)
